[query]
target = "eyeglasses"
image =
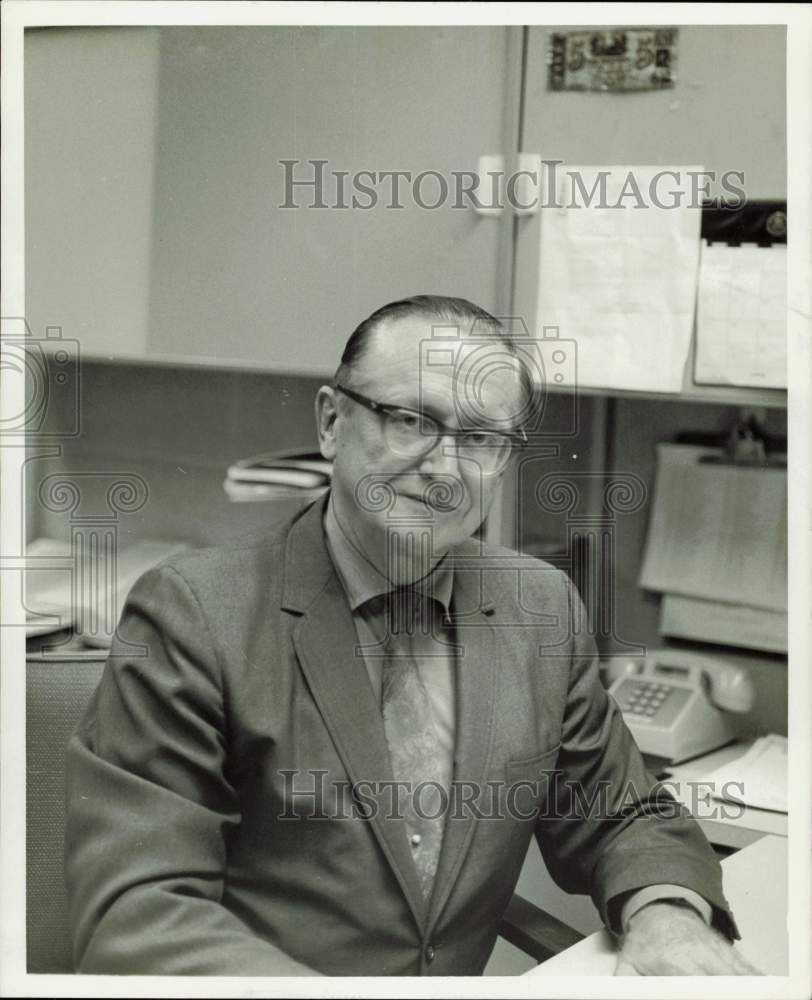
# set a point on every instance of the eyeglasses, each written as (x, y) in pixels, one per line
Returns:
(413, 433)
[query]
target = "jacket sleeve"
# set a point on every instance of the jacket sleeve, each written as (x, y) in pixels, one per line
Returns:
(608, 828)
(149, 805)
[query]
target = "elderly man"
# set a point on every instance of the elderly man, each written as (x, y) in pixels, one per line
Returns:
(325, 751)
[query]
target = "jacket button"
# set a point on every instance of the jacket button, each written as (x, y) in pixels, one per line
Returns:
(430, 953)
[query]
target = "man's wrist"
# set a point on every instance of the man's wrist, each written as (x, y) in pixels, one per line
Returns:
(670, 903)
(674, 894)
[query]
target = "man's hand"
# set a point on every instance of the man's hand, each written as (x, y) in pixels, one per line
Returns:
(667, 940)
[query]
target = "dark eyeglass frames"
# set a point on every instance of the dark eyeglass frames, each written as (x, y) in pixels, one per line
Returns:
(413, 433)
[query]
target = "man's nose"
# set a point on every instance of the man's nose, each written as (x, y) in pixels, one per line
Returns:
(442, 458)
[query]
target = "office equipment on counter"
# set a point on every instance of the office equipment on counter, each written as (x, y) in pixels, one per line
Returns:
(60, 584)
(718, 533)
(621, 285)
(278, 474)
(679, 704)
(703, 620)
(746, 443)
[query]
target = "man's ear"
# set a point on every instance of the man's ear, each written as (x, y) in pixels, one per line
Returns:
(326, 416)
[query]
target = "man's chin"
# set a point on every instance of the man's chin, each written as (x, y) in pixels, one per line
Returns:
(418, 546)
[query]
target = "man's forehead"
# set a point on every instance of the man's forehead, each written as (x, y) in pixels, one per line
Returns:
(401, 338)
(432, 347)
(444, 370)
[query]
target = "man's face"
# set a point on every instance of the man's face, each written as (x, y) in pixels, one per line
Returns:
(378, 492)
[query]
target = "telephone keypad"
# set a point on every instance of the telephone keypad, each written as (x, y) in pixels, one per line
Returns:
(643, 698)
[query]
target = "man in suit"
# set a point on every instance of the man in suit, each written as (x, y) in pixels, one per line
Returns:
(325, 751)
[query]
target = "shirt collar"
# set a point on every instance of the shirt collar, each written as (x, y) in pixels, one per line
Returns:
(363, 581)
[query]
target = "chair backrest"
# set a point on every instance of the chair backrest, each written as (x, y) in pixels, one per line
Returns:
(57, 693)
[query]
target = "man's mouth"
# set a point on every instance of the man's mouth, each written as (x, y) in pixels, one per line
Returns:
(438, 498)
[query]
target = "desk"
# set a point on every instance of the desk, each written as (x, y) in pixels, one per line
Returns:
(759, 906)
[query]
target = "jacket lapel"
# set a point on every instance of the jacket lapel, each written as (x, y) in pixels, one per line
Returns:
(325, 641)
(477, 668)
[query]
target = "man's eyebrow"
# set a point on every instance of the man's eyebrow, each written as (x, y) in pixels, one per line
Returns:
(480, 423)
(429, 410)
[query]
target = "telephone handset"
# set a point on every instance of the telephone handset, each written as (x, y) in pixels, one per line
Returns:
(728, 686)
(679, 704)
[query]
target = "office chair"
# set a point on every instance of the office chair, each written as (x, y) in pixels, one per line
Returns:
(57, 693)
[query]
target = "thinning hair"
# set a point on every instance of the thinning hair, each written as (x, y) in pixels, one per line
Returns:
(470, 319)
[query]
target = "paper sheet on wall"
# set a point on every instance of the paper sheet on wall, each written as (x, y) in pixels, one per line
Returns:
(717, 531)
(621, 281)
(741, 322)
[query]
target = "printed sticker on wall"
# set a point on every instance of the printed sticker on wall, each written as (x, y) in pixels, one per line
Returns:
(613, 59)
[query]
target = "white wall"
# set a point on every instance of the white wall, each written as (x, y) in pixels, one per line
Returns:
(726, 110)
(90, 122)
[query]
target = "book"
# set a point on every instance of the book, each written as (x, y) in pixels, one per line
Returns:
(295, 469)
(287, 460)
(248, 492)
(297, 478)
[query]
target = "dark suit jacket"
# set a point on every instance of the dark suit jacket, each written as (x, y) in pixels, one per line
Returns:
(188, 850)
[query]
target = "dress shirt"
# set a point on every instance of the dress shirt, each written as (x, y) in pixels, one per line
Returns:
(365, 587)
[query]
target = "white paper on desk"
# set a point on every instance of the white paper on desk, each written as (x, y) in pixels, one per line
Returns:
(53, 599)
(48, 581)
(622, 280)
(741, 319)
(759, 778)
(717, 531)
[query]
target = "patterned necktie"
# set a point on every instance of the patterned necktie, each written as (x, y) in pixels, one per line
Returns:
(414, 746)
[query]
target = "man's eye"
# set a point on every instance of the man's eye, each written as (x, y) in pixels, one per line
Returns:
(478, 439)
(404, 420)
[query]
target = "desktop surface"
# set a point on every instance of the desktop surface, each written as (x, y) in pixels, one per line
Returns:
(759, 906)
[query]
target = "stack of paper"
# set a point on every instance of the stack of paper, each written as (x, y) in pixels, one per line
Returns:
(48, 583)
(758, 779)
(56, 582)
(717, 550)
(278, 474)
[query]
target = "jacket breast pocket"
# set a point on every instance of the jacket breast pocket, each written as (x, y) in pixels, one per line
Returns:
(528, 782)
